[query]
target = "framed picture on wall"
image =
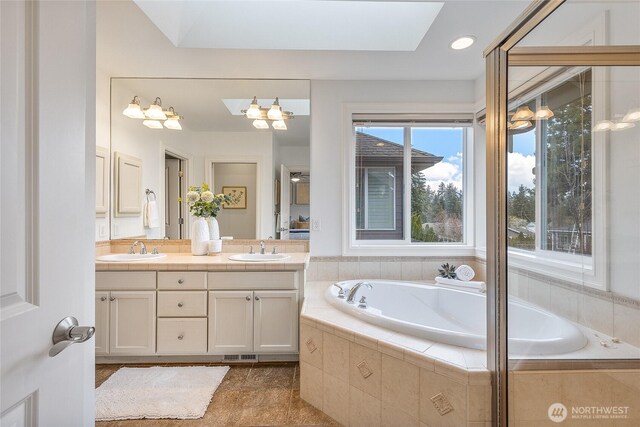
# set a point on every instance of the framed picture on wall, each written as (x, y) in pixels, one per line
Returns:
(239, 196)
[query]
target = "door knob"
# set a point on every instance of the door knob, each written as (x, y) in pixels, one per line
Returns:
(68, 332)
(248, 298)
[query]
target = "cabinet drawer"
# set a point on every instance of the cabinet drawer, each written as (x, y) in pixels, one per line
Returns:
(182, 336)
(182, 280)
(125, 280)
(182, 303)
(253, 280)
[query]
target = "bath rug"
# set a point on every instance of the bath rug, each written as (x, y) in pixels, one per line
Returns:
(158, 392)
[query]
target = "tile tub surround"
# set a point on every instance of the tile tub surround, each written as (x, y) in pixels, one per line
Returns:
(219, 262)
(360, 374)
(395, 268)
(184, 246)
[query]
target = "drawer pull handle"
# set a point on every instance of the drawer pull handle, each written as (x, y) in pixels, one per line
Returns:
(112, 299)
(180, 304)
(180, 281)
(248, 298)
(103, 298)
(180, 337)
(257, 298)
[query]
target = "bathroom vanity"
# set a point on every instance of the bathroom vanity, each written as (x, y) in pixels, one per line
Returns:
(184, 305)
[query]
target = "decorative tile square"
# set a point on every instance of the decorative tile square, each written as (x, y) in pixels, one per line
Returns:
(364, 369)
(442, 405)
(311, 346)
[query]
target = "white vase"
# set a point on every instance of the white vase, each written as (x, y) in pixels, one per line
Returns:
(214, 229)
(200, 237)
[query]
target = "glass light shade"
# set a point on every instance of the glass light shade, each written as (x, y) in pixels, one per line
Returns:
(279, 125)
(295, 179)
(622, 126)
(253, 112)
(155, 112)
(172, 124)
(522, 113)
(462, 42)
(260, 124)
(520, 124)
(133, 111)
(275, 112)
(603, 125)
(544, 113)
(632, 116)
(152, 124)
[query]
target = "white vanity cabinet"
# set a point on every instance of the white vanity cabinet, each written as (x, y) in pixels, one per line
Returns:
(125, 319)
(275, 321)
(260, 318)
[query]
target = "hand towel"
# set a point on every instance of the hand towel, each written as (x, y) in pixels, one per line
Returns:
(460, 283)
(151, 216)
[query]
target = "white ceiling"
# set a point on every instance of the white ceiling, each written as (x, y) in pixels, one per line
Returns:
(130, 44)
(287, 24)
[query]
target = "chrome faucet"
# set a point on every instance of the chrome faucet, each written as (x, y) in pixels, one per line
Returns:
(351, 296)
(143, 247)
(262, 247)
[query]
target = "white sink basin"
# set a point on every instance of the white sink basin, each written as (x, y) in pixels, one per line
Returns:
(129, 257)
(258, 257)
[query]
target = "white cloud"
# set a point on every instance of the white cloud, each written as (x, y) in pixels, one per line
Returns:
(520, 170)
(445, 171)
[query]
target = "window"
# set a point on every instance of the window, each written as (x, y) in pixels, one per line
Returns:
(409, 182)
(549, 180)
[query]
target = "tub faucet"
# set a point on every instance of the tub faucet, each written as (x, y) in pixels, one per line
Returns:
(262, 247)
(143, 248)
(351, 296)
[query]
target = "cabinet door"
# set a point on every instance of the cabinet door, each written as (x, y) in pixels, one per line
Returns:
(132, 323)
(275, 316)
(230, 322)
(102, 323)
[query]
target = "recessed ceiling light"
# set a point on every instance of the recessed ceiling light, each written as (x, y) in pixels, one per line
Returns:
(462, 42)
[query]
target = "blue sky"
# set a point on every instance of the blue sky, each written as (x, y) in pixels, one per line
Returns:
(445, 142)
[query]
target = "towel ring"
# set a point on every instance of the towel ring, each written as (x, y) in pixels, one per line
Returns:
(148, 193)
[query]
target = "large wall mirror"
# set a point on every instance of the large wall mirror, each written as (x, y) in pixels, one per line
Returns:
(152, 163)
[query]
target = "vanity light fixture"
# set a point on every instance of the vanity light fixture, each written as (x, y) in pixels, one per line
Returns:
(260, 124)
(152, 124)
(260, 115)
(279, 125)
(519, 124)
(462, 42)
(155, 111)
(295, 177)
(603, 125)
(173, 120)
(622, 126)
(632, 115)
(275, 112)
(523, 113)
(544, 113)
(133, 110)
(254, 110)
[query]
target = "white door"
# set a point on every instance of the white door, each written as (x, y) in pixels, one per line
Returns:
(285, 202)
(102, 323)
(47, 196)
(275, 316)
(132, 322)
(230, 322)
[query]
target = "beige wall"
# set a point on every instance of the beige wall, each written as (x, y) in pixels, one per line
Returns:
(239, 223)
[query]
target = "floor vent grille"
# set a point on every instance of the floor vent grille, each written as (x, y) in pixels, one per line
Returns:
(244, 357)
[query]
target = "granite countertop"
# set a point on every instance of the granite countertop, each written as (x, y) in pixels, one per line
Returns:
(218, 262)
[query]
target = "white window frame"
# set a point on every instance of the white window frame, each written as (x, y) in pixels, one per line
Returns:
(575, 268)
(353, 247)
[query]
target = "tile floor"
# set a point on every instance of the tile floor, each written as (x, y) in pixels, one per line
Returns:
(256, 394)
